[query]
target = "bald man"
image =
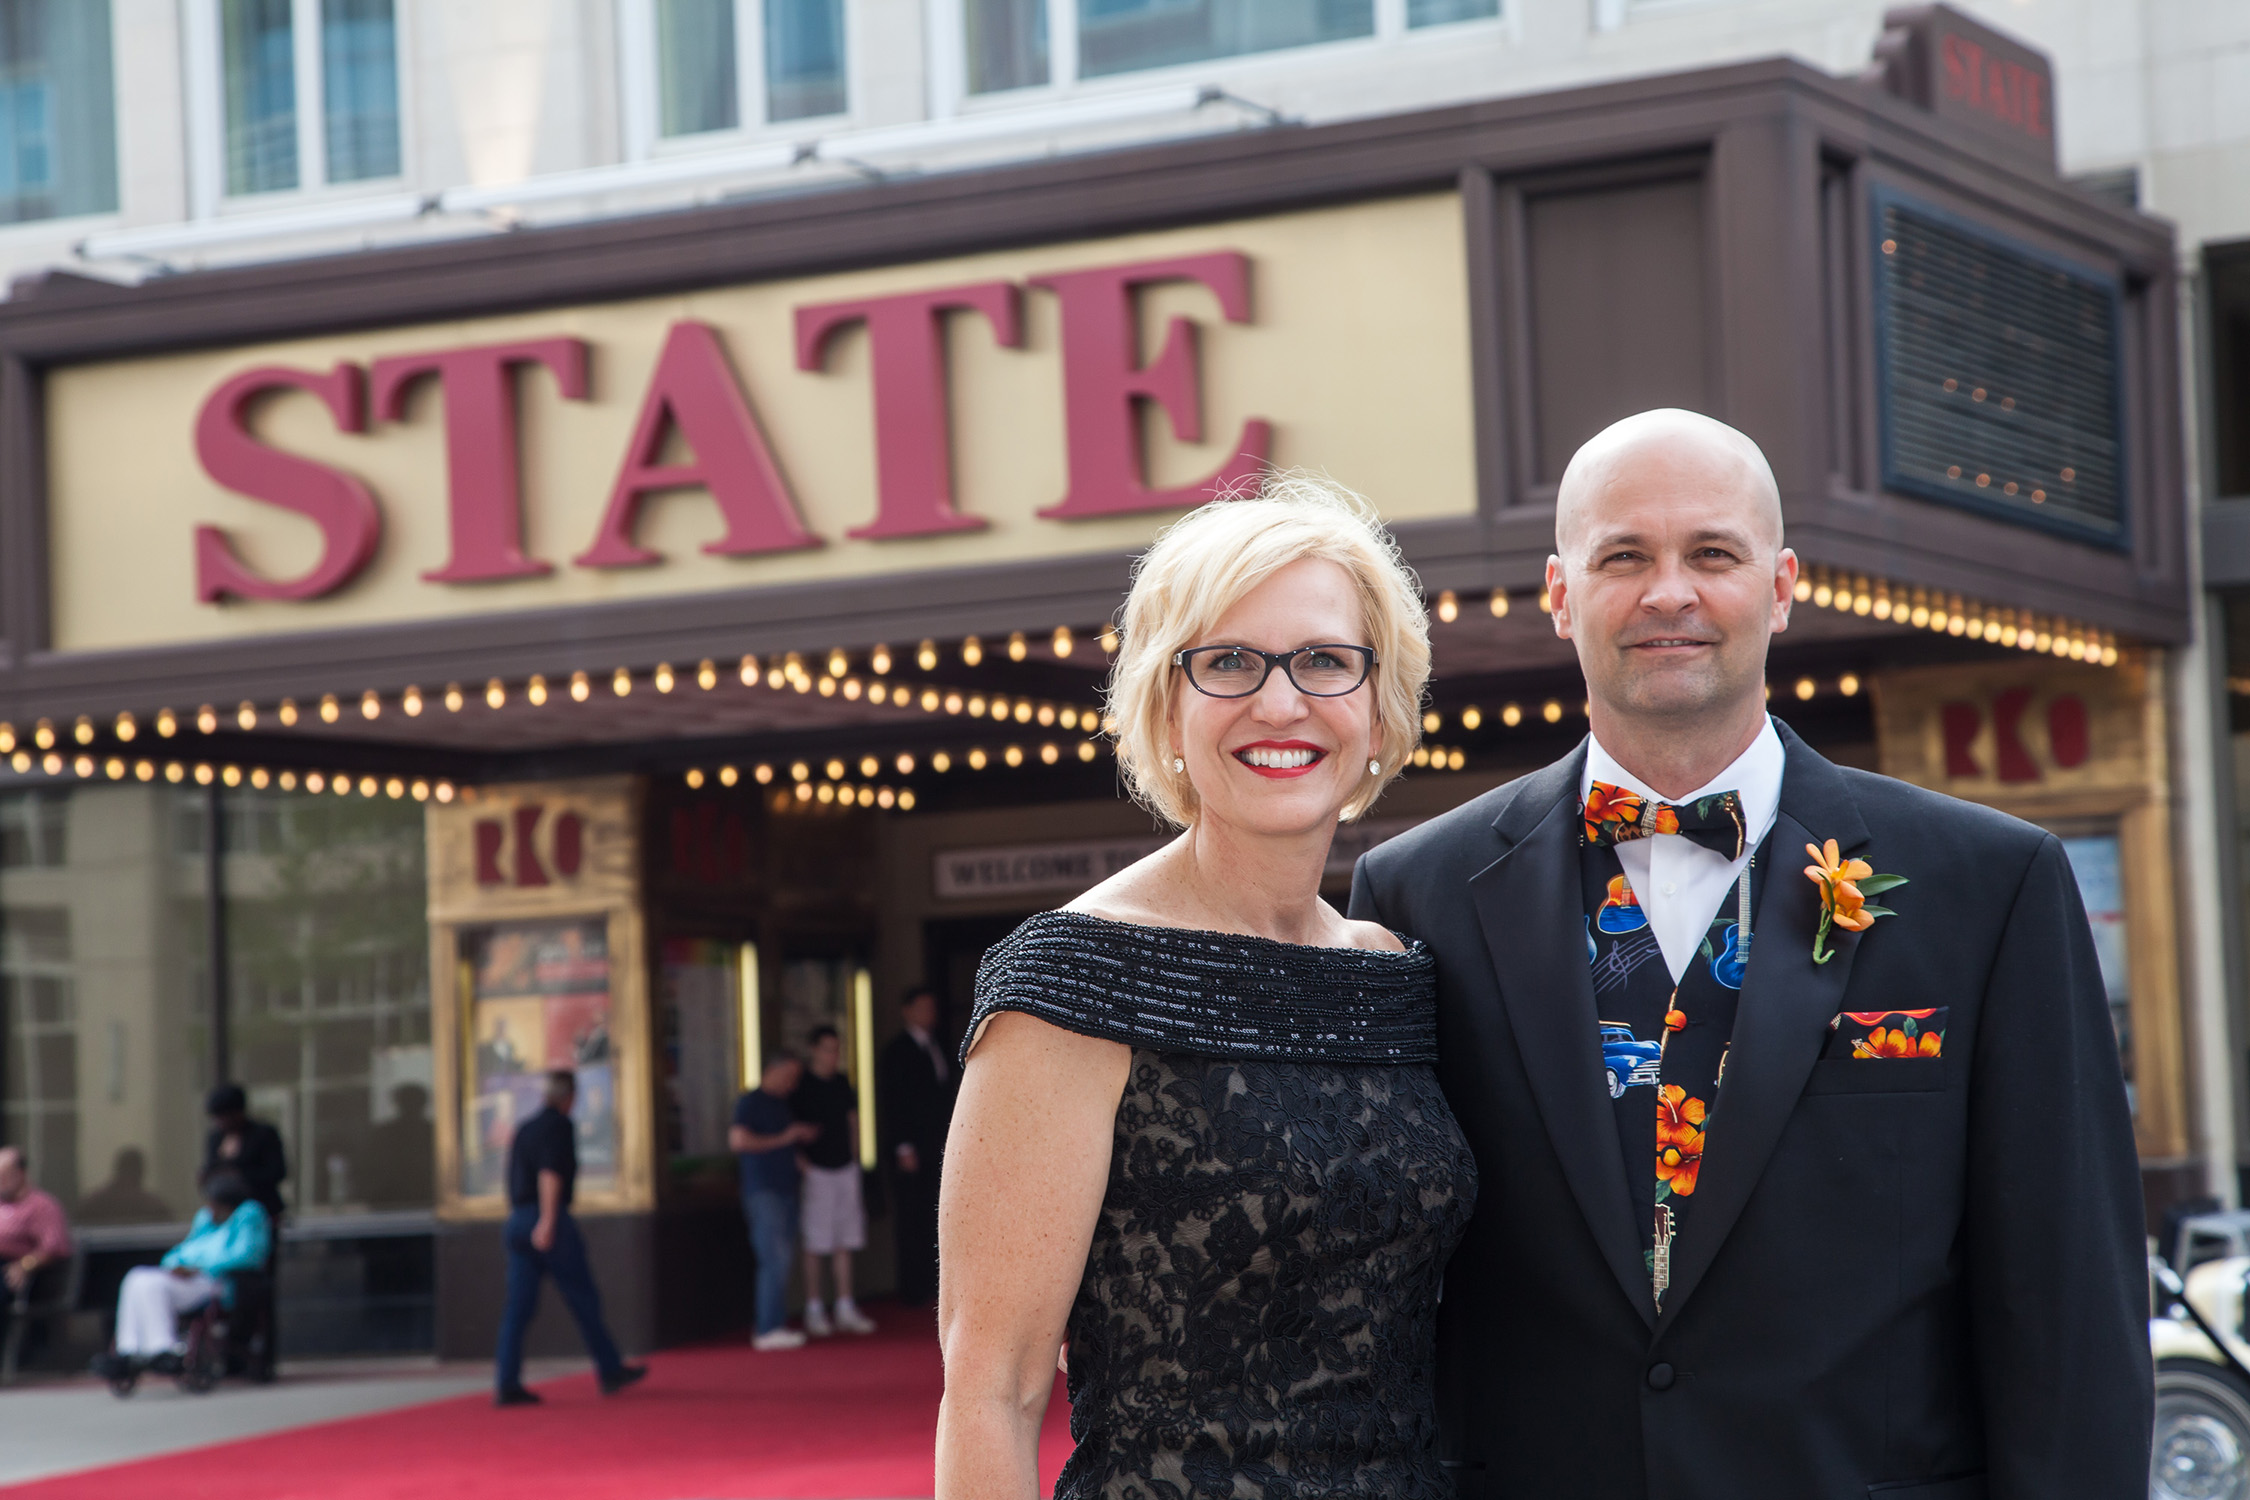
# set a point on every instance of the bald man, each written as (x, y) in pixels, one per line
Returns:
(1770, 1206)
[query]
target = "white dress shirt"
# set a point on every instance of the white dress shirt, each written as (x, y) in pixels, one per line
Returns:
(1681, 884)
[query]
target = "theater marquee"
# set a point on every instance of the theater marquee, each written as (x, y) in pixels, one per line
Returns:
(1039, 402)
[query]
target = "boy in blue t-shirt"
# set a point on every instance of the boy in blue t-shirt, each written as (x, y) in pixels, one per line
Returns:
(764, 1138)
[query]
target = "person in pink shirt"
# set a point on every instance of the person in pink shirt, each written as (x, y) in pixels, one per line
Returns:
(33, 1229)
(33, 1232)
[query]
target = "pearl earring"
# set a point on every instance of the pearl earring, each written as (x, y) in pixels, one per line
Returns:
(1178, 765)
(1374, 768)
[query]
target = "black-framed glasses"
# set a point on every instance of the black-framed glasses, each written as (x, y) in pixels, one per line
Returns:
(1239, 671)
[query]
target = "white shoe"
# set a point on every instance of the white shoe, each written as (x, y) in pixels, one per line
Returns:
(779, 1339)
(851, 1320)
(816, 1320)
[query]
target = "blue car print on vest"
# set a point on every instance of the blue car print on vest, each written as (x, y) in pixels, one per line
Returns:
(1630, 1063)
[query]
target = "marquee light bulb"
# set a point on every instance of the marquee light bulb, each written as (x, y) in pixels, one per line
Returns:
(83, 730)
(706, 674)
(330, 711)
(411, 701)
(370, 705)
(207, 719)
(1063, 642)
(1499, 604)
(536, 690)
(972, 651)
(1448, 607)
(1013, 755)
(869, 766)
(1086, 750)
(453, 700)
(495, 694)
(664, 679)
(905, 764)
(728, 776)
(125, 728)
(925, 656)
(879, 660)
(580, 687)
(621, 683)
(747, 670)
(1472, 717)
(1017, 650)
(44, 735)
(941, 762)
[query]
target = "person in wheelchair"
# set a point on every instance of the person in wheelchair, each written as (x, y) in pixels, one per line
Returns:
(229, 1238)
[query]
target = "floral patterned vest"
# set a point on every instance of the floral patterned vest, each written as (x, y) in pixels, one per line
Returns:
(1664, 1046)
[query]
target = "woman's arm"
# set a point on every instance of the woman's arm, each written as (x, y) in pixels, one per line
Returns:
(1026, 1166)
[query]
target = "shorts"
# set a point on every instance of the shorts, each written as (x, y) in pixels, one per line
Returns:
(830, 1210)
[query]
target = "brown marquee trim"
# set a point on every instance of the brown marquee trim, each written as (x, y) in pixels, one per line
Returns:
(1760, 134)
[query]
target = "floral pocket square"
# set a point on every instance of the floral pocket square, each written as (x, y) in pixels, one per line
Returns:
(1876, 1034)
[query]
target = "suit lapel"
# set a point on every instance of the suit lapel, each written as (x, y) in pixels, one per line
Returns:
(1787, 1003)
(1529, 906)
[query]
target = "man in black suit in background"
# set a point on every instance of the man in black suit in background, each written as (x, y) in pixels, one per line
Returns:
(915, 1085)
(1851, 1208)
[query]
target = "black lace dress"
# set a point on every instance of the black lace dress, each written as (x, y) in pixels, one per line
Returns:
(1285, 1185)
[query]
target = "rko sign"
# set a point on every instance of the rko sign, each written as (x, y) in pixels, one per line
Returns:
(694, 400)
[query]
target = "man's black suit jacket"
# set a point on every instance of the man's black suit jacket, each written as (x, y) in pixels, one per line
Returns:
(915, 1108)
(1917, 1278)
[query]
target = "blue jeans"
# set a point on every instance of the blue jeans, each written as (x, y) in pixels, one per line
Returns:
(574, 1278)
(773, 1240)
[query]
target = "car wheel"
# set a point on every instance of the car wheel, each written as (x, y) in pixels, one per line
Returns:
(2202, 1448)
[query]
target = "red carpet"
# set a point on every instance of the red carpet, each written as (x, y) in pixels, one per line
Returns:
(839, 1420)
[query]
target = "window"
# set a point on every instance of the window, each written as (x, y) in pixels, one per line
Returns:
(306, 115)
(792, 50)
(2227, 295)
(1008, 42)
(58, 115)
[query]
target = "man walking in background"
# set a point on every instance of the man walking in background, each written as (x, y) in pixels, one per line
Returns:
(835, 1221)
(764, 1139)
(915, 1091)
(543, 1241)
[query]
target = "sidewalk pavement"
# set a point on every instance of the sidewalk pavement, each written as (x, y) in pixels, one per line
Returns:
(74, 1425)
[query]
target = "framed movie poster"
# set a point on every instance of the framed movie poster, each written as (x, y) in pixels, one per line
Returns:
(538, 999)
(537, 964)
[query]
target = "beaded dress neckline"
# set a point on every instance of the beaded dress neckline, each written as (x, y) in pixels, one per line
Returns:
(1215, 993)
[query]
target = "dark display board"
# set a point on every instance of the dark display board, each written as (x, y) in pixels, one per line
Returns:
(2000, 375)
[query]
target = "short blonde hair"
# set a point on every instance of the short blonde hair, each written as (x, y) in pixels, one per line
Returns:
(1204, 564)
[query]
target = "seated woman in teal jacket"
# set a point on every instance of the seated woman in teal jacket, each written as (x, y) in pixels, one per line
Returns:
(231, 1233)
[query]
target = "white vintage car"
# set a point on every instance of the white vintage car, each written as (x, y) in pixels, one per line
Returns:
(2202, 1447)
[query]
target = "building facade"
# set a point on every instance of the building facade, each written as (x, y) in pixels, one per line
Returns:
(544, 534)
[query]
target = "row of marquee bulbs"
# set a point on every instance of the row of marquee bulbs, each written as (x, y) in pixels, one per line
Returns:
(204, 773)
(785, 671)
(1923, 609)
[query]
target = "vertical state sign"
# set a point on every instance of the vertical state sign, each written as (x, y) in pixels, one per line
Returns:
(537, 949)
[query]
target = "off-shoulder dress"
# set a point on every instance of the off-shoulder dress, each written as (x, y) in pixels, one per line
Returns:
(1285, 1185)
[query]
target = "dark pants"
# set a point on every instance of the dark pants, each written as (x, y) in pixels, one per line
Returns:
(566, 1262)
(773, 1242)
(914, 1201)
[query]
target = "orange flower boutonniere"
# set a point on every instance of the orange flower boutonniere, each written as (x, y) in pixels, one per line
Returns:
(1845, 885)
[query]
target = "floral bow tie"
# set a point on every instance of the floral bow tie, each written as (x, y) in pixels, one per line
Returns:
(1616, 816)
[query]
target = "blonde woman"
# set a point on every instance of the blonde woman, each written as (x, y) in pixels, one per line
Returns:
(1199, 1152)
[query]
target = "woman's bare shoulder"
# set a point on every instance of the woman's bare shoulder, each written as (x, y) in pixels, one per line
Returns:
(1374, 935)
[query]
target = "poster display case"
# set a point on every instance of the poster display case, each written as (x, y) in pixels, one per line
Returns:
(538, 963)
(2081, 751)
